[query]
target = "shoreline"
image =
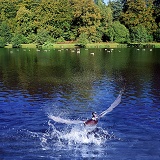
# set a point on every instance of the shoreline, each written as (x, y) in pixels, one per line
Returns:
(90, 45)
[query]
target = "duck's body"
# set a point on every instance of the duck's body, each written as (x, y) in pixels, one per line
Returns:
(93, 121)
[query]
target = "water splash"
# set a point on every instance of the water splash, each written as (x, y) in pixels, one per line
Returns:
(81, 135)
(71, 136)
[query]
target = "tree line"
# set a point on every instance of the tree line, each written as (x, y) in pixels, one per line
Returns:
(84, 21)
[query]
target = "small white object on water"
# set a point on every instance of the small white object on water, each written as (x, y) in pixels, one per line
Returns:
(78, 51)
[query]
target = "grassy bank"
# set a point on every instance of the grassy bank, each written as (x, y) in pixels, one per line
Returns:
(157, 45)
(23, 46)
(73, 45)
(91, 45)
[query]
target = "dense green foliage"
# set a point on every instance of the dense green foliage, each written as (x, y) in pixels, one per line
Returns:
(118, 32)
(48, 21)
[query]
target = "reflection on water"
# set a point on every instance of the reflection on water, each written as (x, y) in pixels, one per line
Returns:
(35, 84)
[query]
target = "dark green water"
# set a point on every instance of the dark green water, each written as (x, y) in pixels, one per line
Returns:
(29, 69)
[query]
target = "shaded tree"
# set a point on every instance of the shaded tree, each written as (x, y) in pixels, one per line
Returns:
(157, 35)
(2, 42)
(157, 11)
(17, 40)
(116, 7)
(5, 33)
(42, 36)
(106, 19)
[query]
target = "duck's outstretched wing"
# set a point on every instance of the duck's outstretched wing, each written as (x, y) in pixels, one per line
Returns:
(65, 121)
(112, 106)
(69, 121)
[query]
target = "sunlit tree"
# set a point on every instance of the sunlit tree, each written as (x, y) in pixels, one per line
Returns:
(118, 33)
(140, 34)
(86, 17)
(55, 17)
(24, 21)
(66, 20)
(139, 12)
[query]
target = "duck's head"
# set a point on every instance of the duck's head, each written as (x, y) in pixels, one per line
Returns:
(94, 115)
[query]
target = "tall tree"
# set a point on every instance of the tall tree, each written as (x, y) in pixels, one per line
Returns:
(86, 18)
(157, 16)
(105, 12)
(140, 34)
(8, 10)
(139, 12)
(29, 4)
(116, 7)
(118, 32)
(55, 16)
(5, 34)
(157, 11)
(106, 19)
(24, 21)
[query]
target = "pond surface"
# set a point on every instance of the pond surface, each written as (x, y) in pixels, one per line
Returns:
(71, 84)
